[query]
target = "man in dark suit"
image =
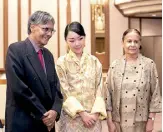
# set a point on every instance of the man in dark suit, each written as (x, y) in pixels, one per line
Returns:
(34, 100)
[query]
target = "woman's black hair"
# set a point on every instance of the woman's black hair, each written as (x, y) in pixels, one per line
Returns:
(74, 27)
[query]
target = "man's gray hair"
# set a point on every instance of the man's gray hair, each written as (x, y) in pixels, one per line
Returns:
(39, 17)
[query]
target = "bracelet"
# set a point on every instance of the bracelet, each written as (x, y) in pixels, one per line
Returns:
(152, 118)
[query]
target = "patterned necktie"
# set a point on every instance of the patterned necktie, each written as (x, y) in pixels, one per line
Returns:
(40, 58)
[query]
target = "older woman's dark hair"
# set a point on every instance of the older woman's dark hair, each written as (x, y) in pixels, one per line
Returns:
(74, 27)
(130, 30)
(39, 17)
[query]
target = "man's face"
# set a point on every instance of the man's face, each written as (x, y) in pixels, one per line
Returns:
(42, 33)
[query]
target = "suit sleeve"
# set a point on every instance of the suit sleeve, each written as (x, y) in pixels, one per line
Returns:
(58, 101)
(21, 93)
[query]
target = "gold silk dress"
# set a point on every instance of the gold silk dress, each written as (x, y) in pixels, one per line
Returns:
(81, 86)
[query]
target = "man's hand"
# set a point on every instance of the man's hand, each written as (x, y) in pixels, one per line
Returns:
(50, 127)
(49, 119)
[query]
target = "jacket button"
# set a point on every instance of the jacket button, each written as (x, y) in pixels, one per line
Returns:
(32, 115)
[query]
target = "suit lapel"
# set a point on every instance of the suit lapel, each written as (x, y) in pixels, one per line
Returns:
(34, 61)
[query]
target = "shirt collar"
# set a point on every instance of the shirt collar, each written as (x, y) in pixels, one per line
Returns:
(35, 45)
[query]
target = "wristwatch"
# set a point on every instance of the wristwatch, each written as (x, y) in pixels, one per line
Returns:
(152, 118)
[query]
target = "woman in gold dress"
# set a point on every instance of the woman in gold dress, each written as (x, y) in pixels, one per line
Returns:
(80, 76)
(133, 89)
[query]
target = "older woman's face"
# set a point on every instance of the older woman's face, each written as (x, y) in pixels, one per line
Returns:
(75, 42)
(131, 43)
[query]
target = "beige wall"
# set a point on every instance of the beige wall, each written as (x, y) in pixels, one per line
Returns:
(63, 19)
(1, 32)
(118, 24)
(24, 19)
(12, 21)
(2, 101)
(86, 22)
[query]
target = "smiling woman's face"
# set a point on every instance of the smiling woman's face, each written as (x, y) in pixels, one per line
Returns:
(75, 42)
(131, 43)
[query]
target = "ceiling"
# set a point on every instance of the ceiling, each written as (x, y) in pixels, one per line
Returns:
(140, 8)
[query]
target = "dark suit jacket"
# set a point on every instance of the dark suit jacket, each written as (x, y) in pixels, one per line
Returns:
(30, 92)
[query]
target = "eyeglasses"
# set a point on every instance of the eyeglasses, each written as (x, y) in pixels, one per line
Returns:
(47, 30)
